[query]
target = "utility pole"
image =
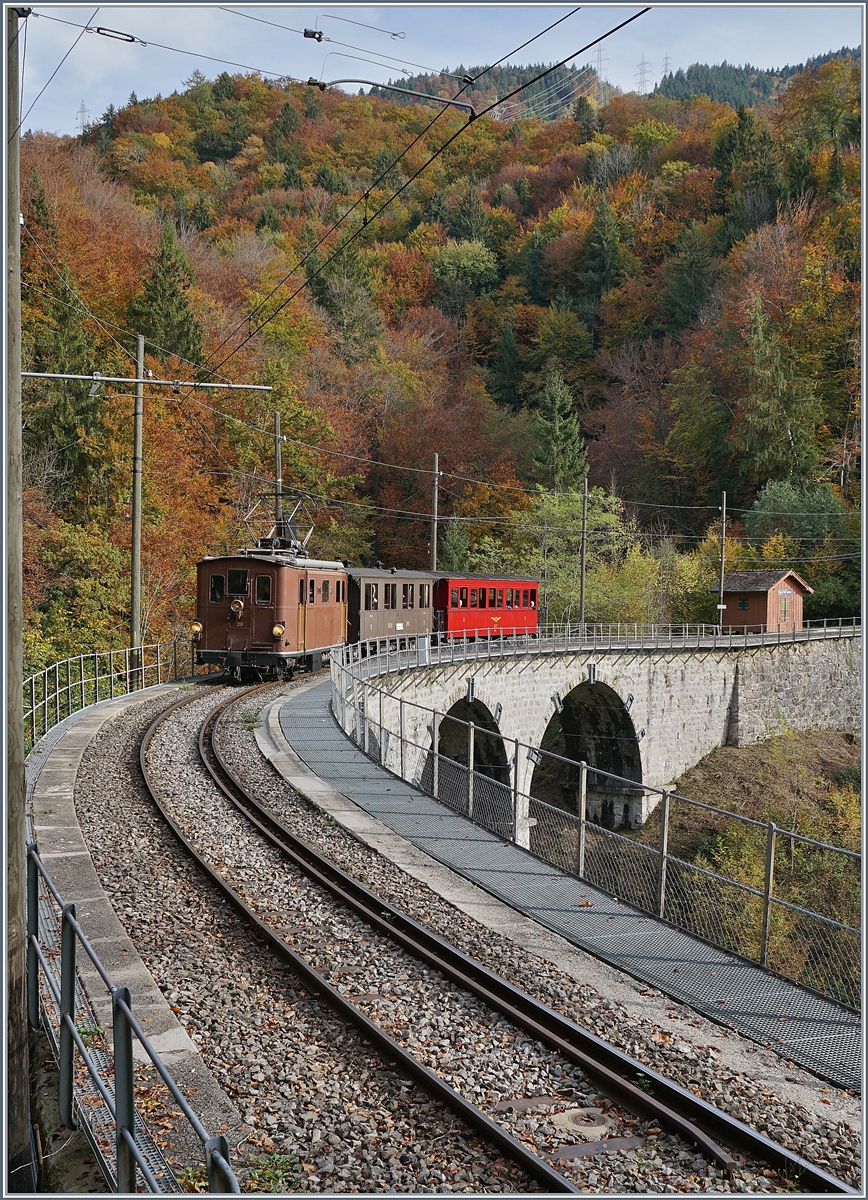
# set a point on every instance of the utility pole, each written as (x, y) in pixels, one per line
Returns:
(584, 551)
(19, 1177)
(434, 488)
(136, 542)
(720, 605)
(278, 480)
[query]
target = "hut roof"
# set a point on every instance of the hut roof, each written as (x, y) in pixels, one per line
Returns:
(760, 581)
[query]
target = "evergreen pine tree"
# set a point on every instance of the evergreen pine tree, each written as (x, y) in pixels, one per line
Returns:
(453, 549)
(561, 457)
(778, 414)
(59, 415)
(687, 278)
(505, 368)
(162, 312)
(603, 267)
(468, 220)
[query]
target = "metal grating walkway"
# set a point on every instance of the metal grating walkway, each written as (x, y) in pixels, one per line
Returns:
(807, 1029)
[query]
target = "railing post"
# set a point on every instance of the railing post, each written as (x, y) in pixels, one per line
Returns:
(67, 1009)
(57, 693)
(32, 932)
(95, 676)
(111, 674)
(33, 708)
(382, 756)
(45, 725)
(471, 754)
(515, 790)
(401, 734)
(664, 845)
(127, 671)
(159, 665)
(175, 659)
(125, 1109)
(767, 897)
(217, 1180)
(583, 815)
(435, 740)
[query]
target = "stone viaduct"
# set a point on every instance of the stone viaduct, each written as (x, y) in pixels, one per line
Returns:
(645, 714)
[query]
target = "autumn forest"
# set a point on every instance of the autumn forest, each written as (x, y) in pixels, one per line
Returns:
(660, 293)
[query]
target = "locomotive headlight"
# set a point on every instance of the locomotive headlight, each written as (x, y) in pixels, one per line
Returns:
(237, 606)
(196, 628)
(277, 630)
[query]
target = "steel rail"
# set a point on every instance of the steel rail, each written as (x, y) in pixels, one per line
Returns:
(427, 1079)
(684, 1113)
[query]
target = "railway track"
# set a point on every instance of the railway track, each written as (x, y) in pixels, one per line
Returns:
(631, 1087)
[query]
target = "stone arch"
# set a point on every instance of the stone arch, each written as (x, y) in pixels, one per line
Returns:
(490, 798)
(593, 726)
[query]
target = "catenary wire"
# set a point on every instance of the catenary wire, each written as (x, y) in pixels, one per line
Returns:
(160, 46)
(56, 69)
(346, 45)
(363, 199)
(101, 321)
(407, 183)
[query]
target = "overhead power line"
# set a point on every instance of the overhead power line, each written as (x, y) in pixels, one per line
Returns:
(515, 91)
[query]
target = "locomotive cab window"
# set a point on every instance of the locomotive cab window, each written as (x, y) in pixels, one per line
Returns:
(301, 591)
(237, 583)
(216, 592)
(312, 592)
(325, 591)
(263, 589)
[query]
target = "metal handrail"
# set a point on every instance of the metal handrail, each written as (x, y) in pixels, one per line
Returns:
(120, 1099)
(349, 706)
(68, 686)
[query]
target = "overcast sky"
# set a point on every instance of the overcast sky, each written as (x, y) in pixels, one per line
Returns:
(102, 70)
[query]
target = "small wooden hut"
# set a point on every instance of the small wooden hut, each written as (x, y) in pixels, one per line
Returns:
(757, 600)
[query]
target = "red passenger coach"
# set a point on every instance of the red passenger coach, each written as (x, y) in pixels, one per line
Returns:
(476, 604)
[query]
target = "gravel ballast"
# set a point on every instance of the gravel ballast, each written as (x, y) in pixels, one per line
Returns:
(300, 1077)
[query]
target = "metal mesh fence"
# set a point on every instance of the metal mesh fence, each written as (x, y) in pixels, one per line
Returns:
(821, 954)
(714, 908)
(765, 910)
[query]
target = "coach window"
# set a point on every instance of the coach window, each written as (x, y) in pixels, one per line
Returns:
(482, 596)
(237, 583)
(500, 597)
(492, 598)
(311, 596)
(533, 597)
(263, 589)
(216, 593)
(408, 595)
(463, 603)
(390, 595)
(525, 598)
(454, 603)
(509, 597)
(424, 595)
(372, 600)
(474, 598)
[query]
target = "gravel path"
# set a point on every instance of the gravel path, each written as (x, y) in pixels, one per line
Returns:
(831, 1143)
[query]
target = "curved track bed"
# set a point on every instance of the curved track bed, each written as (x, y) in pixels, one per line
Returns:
(631, 1084)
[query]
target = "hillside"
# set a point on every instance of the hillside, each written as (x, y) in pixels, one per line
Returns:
(549, 99)
(665, 293)
(739, 85)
